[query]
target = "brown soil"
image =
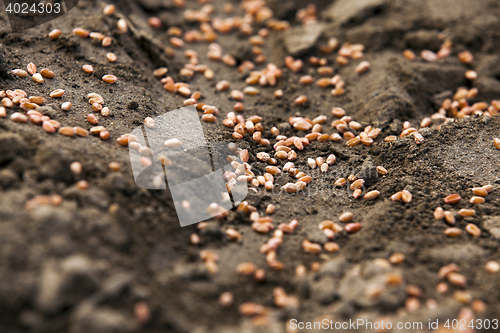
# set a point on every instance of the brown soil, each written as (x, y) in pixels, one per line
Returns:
(80, 268)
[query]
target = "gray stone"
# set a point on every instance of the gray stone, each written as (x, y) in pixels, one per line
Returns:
(492, 224)
(11, 145)
(325, 291)
(334, 268)
(315, 235)
(300, 39)
(88, 318)
(453, 253)
(344, 11)
(66, 283)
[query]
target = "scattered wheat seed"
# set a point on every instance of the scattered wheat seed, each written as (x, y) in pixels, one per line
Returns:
(122, 25)
(226, 299)
(406, 196)
(19, 73)
(331, 247)
(340, 182)
(105, 112)
(312, 248)
(476, 200)
(456, 279)
(492, 267)
(91, 118)
(233, 234)
(107, 41)
(19, 117)
(473, 230)
(363, 67)
(66, 106)
(397, 258)
(449, 217)
(496, 143)
(114, 166)
(37, 77)
(471, 75)
(173, 143)
(466, 212)
(452, 198)
(408, 54)
(54, 34)
(371, 195)
(452, 232)
(109, 78)
(346, 217)
(47, 73)
(351, 228)
(67, 131)
(429, 56)
(111, 57)
(439, 213)
(466, 57)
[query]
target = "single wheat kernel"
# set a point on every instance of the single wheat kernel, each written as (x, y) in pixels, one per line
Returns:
(340, 182)
(357, 184)
(371, 195)
(54, 34)
(452, 232)
(312, 248)
(466, 212)
(233, 234)
(466, 57)
(351, 228)
(408, 54)
(91, 118)
(81, 32)
(406, 196)
(109, 10)
(109, 78)
(496, 143)
(88, 69)
(479, 191)
(66, 106)
(346, 217)
(452, 199)
(67, 131)
(456, 279)
(473, 230)
(301, 100)
(492, 267)
(397, 258)
(428, 55)
(353, 142)
(47, 73)
(19, 73)
(442, 288)
(449, 217)
(122, 25)
(111, 57)
(489, 188)
(476, 200)
(439, 213)
(363, 67)
(37, 77)
(106, 41)
(105, 112)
